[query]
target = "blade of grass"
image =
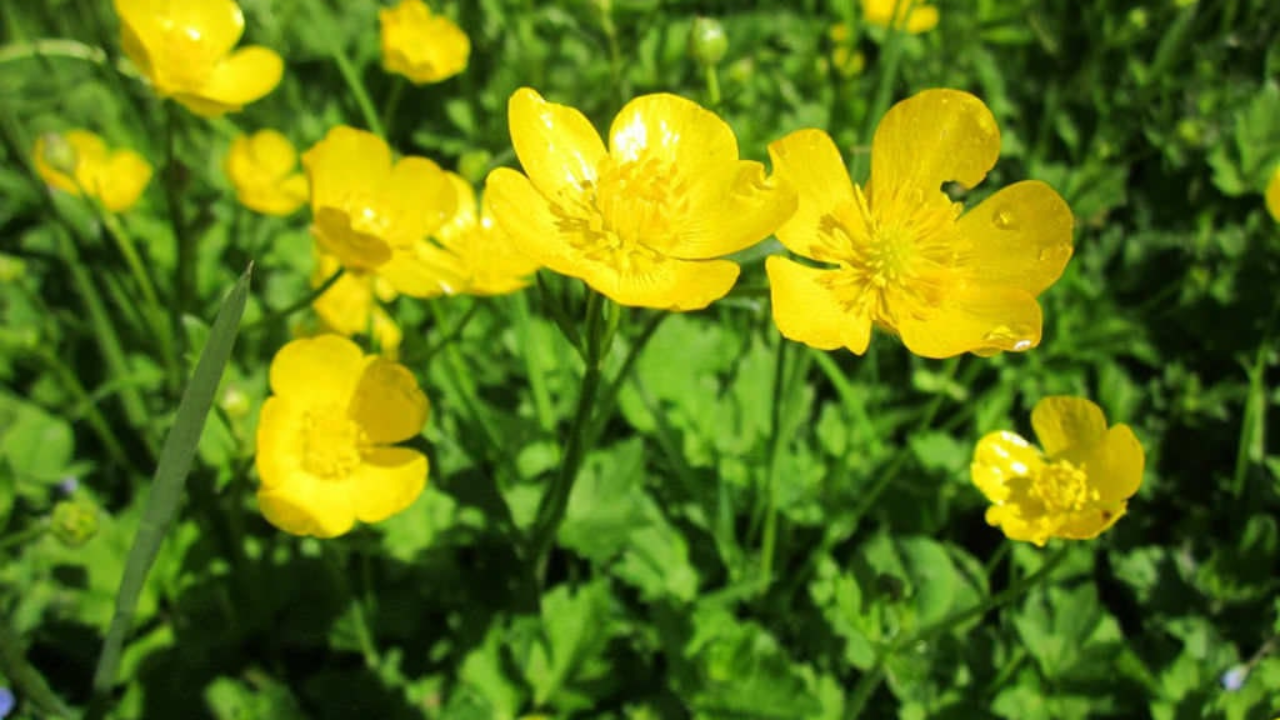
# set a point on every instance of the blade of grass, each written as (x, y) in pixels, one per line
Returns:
(167, 487)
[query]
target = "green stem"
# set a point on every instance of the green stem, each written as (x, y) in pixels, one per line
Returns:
(712, 78)
(555, 502)
(884, 88)
(86, 405)
(277, 315)
(393, 104)
(52, 48)
(868, 683)
(350, 75)
(28, 681)
(185, 275)
(610, 396)
(453, 333)
(24, 536)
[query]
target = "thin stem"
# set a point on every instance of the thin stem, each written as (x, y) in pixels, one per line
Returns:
(351, 75)
(610, 396)
(555, 502)
(24, 536)
(52, 48)
(185, 275)
(712, 78)
(393, 104)
(450, 335)
(305, 301)
(888, 77)
(28, 681)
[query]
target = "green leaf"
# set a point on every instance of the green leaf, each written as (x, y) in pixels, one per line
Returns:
(37, 446)
(575, 631)
(167, 487)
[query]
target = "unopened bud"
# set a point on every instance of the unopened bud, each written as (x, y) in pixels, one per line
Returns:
(234, 402)
(707, 41)
(74, 522)
(59, 154)
(473, 165)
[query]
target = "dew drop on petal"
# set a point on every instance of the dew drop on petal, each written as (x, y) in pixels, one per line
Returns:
(1004, 220)
(1005, 335)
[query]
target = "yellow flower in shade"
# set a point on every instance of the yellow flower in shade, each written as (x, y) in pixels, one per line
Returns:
(489, 257)
(350, 306)
(263, 169)
(423, 47)
(923, 17)
(1078, 487)
(643, 221)
(184, 48)
(900, 254)
(78, 161)
(325, 438)
(374, 216)
(1273, 194)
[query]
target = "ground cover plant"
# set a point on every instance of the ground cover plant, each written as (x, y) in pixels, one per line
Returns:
(639, 359)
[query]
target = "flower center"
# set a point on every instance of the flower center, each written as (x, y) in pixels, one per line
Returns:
(332, 443)
(626, 214)
(1060, 487)
(898, 256)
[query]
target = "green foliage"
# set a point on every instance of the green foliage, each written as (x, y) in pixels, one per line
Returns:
(758, 529)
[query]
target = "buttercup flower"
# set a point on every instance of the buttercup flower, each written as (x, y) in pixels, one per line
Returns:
(643, 221)
(1078, 487)
(325, 437)
(184, 48)
(1273, 194)
(376, 216)
(423, 47)
(350, 306)
(263, 169)
(900, 254)
(492, 264)
(923, 17)
(78, 161)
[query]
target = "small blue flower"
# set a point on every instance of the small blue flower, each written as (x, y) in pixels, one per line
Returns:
(1233, 679)
(69, 484)
(7, 701)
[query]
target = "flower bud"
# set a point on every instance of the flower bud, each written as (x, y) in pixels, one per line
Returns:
(234, 402)
(474, 165)
(60, 154)
(74, 522)
(707, 41)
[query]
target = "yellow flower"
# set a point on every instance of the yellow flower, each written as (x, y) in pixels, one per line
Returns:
(375, 216)
(325, 437)
(262, 169)
(78, 162)
(350, 306)
(423, 47)
(184, 49)
(888, 13)
(644, 221)
(900, 254)
(1077, 488)
(487, 254)
(1273, 194)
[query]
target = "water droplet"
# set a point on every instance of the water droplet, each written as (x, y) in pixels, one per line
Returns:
(1005, 220)
(1006, 337)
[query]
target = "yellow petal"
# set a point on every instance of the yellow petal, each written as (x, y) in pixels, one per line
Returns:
(882, 12)
(388, 404)
(923, 19)
(122, 180)
(1273, 194)
(673, 131)
(1114, 466)
(419, 198)
(809, 161)
(423, 270)
(1020, 237)
(721, 221)
(215, 25)
(557, 146)
(977, 320)
(271, 154)
(279, 450)
(930, 138)
(807, 310)
(356, 250)
(239, 79)
(322, 370)
(137, 18)
(1064, 422)
(531, 221)
(346, 305)
(1000, 457)
(1090, 523)
(388, 481)
(309, 506)
(348, 163)
(464, 219)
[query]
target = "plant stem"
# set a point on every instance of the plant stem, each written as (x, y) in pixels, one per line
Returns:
(28, 681)
(392, 104)
(305, 301)
(884, 88)
(185, 275)
(350, 75)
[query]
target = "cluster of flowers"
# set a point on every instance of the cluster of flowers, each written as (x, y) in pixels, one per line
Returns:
(647, 218)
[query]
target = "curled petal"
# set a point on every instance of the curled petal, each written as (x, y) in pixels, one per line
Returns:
(934, 137)
(807, 309)
(674, 131)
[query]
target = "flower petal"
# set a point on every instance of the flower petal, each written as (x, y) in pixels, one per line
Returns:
(309, 506)
(807, 310)
(674, 131)
(246, 75)
(419, 198)
(279, 450)
(356, 250)
(983, 320)
(1000, 457)
(121, 181)
(321, 370)
(347, 163)
(558, 148)
(388, 481)
(809, 161)
(215, 24)
(531, 220)
(464, 219)
(933, 137)
(1273, 194)
(1091, 522)
(424, 270)
(1114, 466)
(733, 217)
(1021, 237)
(1063, 423)
(271, 153)
(388, 404)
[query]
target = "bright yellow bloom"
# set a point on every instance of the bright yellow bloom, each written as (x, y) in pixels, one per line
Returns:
(1077, 488)
(423, 47)
(78, 161)
(1273, 194)
(263, 169)
(487, 254)
(184, 48)
(644, 221)
(887, 13)
(900, 254)
(376, 217)
(350, 306)
(324, 438)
